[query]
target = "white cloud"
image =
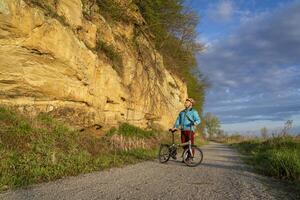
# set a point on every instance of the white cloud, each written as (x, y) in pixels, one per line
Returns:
(222, 11)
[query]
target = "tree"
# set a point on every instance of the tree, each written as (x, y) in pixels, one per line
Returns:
(212, 124)
(287, 127)
(174, 29)
(221, 133)
(264, 132)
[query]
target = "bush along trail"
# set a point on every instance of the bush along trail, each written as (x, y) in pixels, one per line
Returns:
(278, 157)
(41, 149)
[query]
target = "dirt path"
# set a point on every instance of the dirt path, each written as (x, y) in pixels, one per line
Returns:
(221, 176)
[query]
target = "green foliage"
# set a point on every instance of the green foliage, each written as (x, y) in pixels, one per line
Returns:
(174, 29)
(161, 16)
(112, 10)
(111, 53)
(128, 130)
(278, 157)
(141, 154)
(6, 116)
(212, 124)
(44, 149)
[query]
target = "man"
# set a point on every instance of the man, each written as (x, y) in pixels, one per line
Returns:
(186, 121)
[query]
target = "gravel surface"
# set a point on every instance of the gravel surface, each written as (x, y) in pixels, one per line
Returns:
(222, 175)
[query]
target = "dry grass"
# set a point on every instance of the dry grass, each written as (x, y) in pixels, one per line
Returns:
(123, 143)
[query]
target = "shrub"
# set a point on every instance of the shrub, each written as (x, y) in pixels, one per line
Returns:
(278, 157)
(112, 54)
(128, 130)
(283, 163)
(113, 10)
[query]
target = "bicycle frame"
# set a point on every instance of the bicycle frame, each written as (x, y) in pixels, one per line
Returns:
(167, 151)
(189, 143)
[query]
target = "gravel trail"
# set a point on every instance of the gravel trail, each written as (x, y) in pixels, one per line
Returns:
(222, 175)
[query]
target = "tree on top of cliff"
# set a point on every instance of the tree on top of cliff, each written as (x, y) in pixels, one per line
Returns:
(174, 28)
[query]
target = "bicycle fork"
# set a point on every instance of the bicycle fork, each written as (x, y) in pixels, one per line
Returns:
(189, 144)
(190, 148)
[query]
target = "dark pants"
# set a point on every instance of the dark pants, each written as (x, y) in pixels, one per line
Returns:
(185, 137)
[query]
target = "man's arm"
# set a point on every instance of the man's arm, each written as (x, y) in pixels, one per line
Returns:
(197, 119)
(177, 123)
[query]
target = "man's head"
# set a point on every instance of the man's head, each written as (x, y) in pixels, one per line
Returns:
(189, 102)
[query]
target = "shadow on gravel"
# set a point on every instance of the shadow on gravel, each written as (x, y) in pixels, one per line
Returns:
(229, 167)
(225, 161)
(173, 162)
(218, 149)
(232, 157)
(177, 162)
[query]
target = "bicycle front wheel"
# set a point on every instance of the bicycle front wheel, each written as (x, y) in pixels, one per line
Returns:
(194, 157)
(164, 153)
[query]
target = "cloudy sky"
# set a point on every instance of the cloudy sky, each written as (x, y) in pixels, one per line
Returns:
(252, 59)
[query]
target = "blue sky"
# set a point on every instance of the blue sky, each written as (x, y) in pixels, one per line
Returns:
(252, 59)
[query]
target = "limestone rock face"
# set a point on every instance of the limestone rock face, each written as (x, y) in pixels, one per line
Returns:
(71, 10)
(55, 64)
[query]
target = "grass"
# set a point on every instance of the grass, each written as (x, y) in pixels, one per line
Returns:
(41, 149)
(278, 157)
(128, 130)
(112, 10)
(111, 53)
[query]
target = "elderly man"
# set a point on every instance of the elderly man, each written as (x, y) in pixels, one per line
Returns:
(186, 121)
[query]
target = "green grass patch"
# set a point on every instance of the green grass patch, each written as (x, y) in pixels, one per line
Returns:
(41, 149)
(112, 10)
(128, 130)
(111, 53)
(278, 157)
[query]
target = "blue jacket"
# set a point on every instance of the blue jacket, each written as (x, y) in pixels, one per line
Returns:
(183, 122)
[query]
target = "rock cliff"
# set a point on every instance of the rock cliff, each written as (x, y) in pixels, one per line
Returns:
(64, 58)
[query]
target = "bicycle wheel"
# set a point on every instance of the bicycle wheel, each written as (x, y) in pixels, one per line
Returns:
(164, 153)
(195, 159)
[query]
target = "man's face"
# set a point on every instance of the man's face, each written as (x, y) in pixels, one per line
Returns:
(187, 104)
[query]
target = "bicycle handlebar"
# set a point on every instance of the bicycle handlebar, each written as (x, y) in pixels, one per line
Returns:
(172, 130)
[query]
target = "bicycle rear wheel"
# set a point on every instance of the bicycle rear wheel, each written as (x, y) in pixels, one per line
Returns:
(164, 153)
(195, 159)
